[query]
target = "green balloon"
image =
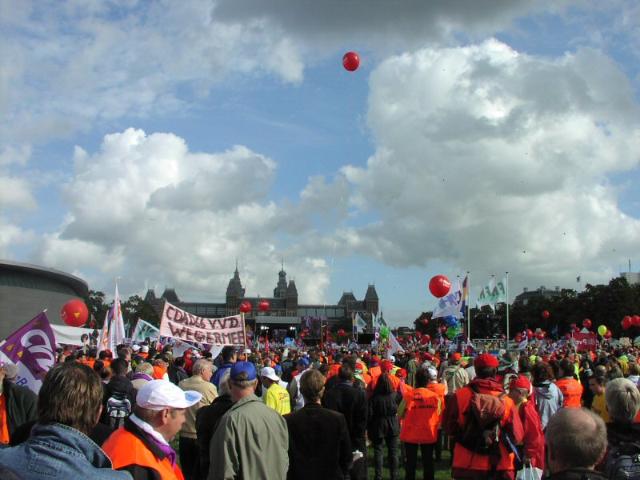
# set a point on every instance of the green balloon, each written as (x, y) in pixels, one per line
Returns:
(384, 332)
(602, 330)
(453, 332)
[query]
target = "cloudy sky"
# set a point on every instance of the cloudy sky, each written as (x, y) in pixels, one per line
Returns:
(160, 141)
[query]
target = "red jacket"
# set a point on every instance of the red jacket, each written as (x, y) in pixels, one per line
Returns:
(533, 437)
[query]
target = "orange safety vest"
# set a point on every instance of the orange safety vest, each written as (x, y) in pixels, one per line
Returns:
(334, 369)
(465, 459)
(375, 372)
(125, 449)
(422, 418)
(158, 372)
(572, 391)
(438, 389)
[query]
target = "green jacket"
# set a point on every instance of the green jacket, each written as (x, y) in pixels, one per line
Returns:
(251, 442)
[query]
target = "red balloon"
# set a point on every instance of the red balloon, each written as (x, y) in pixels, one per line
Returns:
(74, 313)
(545, 314)
(627, 322)
(608, 334)
(439, 286)
(586, 323)
(635, 320)
(540, 335)
(428, 337)
(245, 307)
(424, 340)
(263, 306)
(351, 61)
(518, 338)
(530, 333)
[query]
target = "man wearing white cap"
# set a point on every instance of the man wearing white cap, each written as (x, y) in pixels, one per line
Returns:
(275, 395)
(141, 446)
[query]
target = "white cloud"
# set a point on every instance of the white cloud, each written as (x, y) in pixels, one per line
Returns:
(147, 208)
(493, 160)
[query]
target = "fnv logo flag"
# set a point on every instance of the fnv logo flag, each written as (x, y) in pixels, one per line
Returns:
(177, 323)
(32, 349)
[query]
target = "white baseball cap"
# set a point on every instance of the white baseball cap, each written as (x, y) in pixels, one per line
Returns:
(145, 348)
(135, 348)
(161, 394)
(269, 373)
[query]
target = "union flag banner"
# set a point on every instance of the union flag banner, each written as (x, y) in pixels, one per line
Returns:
(585, 341)
(178, 323)
(32, 349)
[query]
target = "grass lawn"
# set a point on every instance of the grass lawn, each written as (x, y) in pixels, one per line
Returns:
(443, 472)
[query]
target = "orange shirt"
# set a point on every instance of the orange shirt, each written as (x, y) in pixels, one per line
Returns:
(4, 426)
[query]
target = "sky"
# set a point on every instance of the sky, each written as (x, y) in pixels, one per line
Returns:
(157, 143)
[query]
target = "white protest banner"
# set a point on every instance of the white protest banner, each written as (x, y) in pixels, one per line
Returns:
(177, 323)
(143, 331)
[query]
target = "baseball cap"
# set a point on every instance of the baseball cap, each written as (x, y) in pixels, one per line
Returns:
(455, 357)
(304, 361)
(386, 366)
(145, 349)
(135, 348)
(486, 360)
(269, 373)
(433, 373)
(240, 368)
(160, 394)
(521, 382)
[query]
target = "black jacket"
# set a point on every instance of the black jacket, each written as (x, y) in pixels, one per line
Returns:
(118, 384)
(319, 445)
(21, 404)
(207, 419)
(577, 474)
(177, 374)
(383, 416)
(351, 402)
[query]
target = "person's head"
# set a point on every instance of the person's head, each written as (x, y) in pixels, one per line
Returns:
(542, 372)
(623, 400)
(243, 379)
(576, 438)
(312, 386)
(346, 372)
(454, 358)
(520, 389)
(422, 378)
(145, 367)
(124, 353)
(596, 385)
(224, 388)
(119, 366)
(228, 355)
(204, 368)
(486, 365)
(383, 386)
(634, 369)
(567, 368)
(268, 376)
(71, 394)
(162, 405)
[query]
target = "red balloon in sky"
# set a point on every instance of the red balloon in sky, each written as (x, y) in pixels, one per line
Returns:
(635, 320)
(545, 314)
(351, 61)
(627, 322)
(263, 306)
(586, 323)
(74, 313)
(439, 286)
(245, 307)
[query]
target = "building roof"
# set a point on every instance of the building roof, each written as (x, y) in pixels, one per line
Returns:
(76, 284)
(371, 293)
(170, 295)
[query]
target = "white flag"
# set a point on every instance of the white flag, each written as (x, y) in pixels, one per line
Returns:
(116, 327)
(449, 305)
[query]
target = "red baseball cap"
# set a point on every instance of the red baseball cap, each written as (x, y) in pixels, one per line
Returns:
(455, 357)
(521, 382)
(386, 366)
(486, 360)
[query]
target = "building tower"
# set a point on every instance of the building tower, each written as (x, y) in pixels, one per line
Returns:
(235, 292)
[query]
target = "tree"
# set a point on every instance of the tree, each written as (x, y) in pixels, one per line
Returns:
(97, 308)
(136, 308)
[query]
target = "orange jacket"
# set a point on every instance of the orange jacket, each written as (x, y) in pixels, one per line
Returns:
(438, 389)
(422, 417)
(158, 372)
(125, 449)
(572, 391)
(464, 459)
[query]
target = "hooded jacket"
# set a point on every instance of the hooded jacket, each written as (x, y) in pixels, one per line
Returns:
(549, 400)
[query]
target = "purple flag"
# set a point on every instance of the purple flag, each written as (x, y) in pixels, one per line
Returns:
(32, 349)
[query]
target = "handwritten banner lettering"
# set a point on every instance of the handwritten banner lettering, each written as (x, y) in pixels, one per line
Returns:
(178, 323)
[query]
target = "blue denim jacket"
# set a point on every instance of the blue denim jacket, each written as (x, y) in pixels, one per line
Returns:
(56, 451)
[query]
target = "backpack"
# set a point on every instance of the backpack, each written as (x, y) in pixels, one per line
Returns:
(118, 408)
(623, 461)
(481, 431)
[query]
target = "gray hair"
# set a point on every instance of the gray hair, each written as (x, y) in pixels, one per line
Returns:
(224, 388)
(145, 367)
(576, 438)
(201, 365)
(623, 400)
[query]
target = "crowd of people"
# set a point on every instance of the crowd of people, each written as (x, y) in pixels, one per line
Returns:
(315, 413)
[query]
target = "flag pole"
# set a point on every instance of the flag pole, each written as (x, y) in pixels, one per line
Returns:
(507, 305)
(469, 305)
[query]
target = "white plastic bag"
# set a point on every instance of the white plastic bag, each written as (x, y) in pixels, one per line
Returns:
(529, 473)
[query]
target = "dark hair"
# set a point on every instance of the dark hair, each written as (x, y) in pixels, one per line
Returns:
(542, 372)
(345, 372)
(179, 362)
(422, 378)
(119, 366)
(383, 387)
(227, 354)
(598, 379)
(486, 372)
(71, 394)
(311, 385)
(567, 368)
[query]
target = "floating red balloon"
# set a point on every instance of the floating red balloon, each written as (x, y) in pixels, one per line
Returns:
(608, 334)
(627, 322)
(540, 335)
(424, 340)
(351, 61)
(545, 314)
(74, 313)
(635, 321)
(263, 306)
(586, 323)
(245, 307)
(439, 286)
(529, 333)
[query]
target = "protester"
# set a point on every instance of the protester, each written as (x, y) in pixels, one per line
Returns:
(142, 375)
(200, 382)
(141, 446)
(570, 387)
(251, 441)
(207, 419)
(275, 395)
(351, 402)
(576, 443)
(176, 371)
(383, 426)
(69, 404)
(228, 356)
(18, 405)
(520, 391)
(319, 444)
(477, 452)
(119, 395)
(422, 414)
(547, 396)
(623, 434)
(599, 404)
(297, 400)
(454, 375)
